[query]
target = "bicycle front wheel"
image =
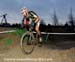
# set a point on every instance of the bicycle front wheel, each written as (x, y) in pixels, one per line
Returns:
(27, 43)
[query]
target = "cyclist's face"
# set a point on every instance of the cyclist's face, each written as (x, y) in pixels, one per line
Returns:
(24, 12)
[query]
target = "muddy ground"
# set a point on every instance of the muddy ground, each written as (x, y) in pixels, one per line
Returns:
(63, 51)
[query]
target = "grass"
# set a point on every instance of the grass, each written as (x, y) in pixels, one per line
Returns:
(19, 32)
(8, 41)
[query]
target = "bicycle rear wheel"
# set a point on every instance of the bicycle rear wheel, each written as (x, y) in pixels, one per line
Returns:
(27, 43)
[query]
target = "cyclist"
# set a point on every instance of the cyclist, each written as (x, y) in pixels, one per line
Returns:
(31, 19)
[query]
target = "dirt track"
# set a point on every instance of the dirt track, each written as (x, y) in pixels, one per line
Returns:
(59, 52)
(46, 53)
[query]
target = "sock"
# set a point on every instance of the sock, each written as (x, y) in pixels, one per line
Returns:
(40, 39)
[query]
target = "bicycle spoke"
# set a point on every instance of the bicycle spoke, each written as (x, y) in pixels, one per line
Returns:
(27, 43)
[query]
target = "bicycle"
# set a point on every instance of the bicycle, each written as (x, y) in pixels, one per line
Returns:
(32, 38)
(28, 42)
